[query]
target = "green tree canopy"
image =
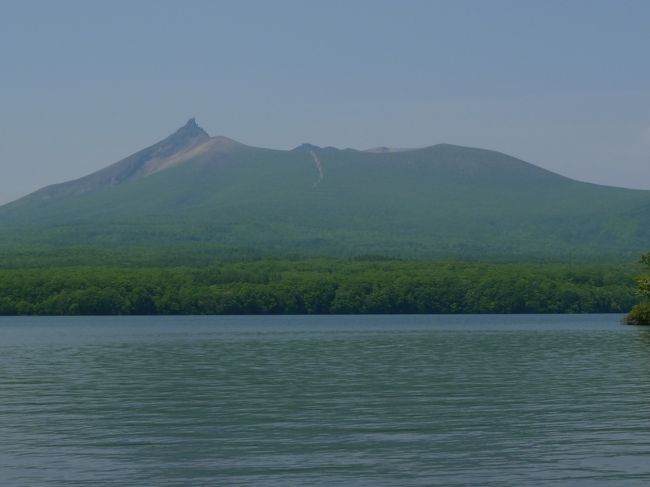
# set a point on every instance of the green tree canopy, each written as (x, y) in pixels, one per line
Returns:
(640, 314)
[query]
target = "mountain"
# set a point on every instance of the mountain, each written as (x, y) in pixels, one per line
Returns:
(438, 201)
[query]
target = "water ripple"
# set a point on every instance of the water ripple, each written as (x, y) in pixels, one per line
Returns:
(454, 401)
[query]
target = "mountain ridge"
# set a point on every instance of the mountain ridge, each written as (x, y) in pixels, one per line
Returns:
(192, 140)
(440, 200)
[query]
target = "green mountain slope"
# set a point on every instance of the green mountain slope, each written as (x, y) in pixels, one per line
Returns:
(438, 201)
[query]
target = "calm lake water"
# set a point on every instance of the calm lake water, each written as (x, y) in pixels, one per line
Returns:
(343, 400)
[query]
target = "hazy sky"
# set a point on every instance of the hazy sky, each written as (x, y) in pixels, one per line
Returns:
(563, 84)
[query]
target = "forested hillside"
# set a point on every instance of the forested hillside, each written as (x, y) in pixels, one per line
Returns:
(438, 202)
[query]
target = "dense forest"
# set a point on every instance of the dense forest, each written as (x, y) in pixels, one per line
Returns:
(318, 286)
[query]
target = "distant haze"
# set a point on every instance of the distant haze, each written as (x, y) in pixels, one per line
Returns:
(563, 85)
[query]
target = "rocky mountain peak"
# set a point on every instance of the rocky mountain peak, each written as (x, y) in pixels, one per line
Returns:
(190, 130)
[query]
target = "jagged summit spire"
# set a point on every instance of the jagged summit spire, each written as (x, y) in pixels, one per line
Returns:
(191, 123)
(191, 129)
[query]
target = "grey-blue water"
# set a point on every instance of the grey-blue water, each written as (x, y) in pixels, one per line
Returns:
(342, 400)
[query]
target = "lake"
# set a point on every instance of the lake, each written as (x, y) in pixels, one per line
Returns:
(326, 400)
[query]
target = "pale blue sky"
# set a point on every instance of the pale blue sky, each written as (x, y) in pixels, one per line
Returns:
(563, 84)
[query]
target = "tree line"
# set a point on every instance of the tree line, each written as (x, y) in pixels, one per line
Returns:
(319, 286)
